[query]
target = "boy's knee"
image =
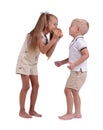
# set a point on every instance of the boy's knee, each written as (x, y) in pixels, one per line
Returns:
(66, 90)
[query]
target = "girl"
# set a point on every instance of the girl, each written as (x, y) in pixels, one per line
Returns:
(36, 41)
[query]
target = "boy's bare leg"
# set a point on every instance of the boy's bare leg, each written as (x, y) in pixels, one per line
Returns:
(77, 104)
(34, 93)
(69, 100)
(22, 97)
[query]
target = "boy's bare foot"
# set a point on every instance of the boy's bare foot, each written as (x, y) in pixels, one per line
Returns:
(77, 116)
(33, 113)
(24, 115)
(66, 117)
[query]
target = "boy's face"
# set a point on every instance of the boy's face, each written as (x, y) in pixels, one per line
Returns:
(52, 24)
(73, 29)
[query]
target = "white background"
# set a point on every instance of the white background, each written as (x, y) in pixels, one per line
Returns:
(17, 18)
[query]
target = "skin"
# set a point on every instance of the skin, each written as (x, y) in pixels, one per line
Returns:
(72, 96)
(50, 51)
(33, 97)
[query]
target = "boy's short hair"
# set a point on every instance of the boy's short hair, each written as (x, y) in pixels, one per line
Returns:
(83, 25)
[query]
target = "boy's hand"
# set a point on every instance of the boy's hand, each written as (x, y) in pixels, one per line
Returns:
(57, 63)
(71, 66)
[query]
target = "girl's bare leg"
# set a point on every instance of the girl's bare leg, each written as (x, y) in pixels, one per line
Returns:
(77, 104)
(69, 100)
(34, 93)
(22, 97)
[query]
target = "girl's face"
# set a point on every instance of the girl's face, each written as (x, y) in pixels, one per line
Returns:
(52, 24)
(73, 29)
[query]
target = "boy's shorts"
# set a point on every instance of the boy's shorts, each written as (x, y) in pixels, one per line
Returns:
(76, 80)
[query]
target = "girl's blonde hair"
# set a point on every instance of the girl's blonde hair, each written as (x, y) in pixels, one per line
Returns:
(83, 25)
(40, 26)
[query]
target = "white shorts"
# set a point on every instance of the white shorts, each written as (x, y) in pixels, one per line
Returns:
(27, 69)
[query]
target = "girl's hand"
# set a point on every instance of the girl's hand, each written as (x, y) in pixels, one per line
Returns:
(61, 33)
(58, 32)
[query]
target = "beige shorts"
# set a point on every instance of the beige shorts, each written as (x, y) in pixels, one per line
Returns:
(27, 69)
(76, 80)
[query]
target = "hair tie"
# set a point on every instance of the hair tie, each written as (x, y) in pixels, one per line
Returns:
(46, 12)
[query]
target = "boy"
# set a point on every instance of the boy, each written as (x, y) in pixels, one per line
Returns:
(78, 55)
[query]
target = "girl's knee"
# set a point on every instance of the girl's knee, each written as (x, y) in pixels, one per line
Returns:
(35, 86)
(25, 88)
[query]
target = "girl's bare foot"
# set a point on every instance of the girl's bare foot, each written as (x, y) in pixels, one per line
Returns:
(33, 113)
(77, 115)
(66, 117)
(62, 116)
(24, 115)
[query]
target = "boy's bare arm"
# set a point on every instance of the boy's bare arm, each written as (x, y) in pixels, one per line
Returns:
(62, 62)
(85, 55)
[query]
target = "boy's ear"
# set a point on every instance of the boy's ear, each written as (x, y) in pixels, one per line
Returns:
(78, 29)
